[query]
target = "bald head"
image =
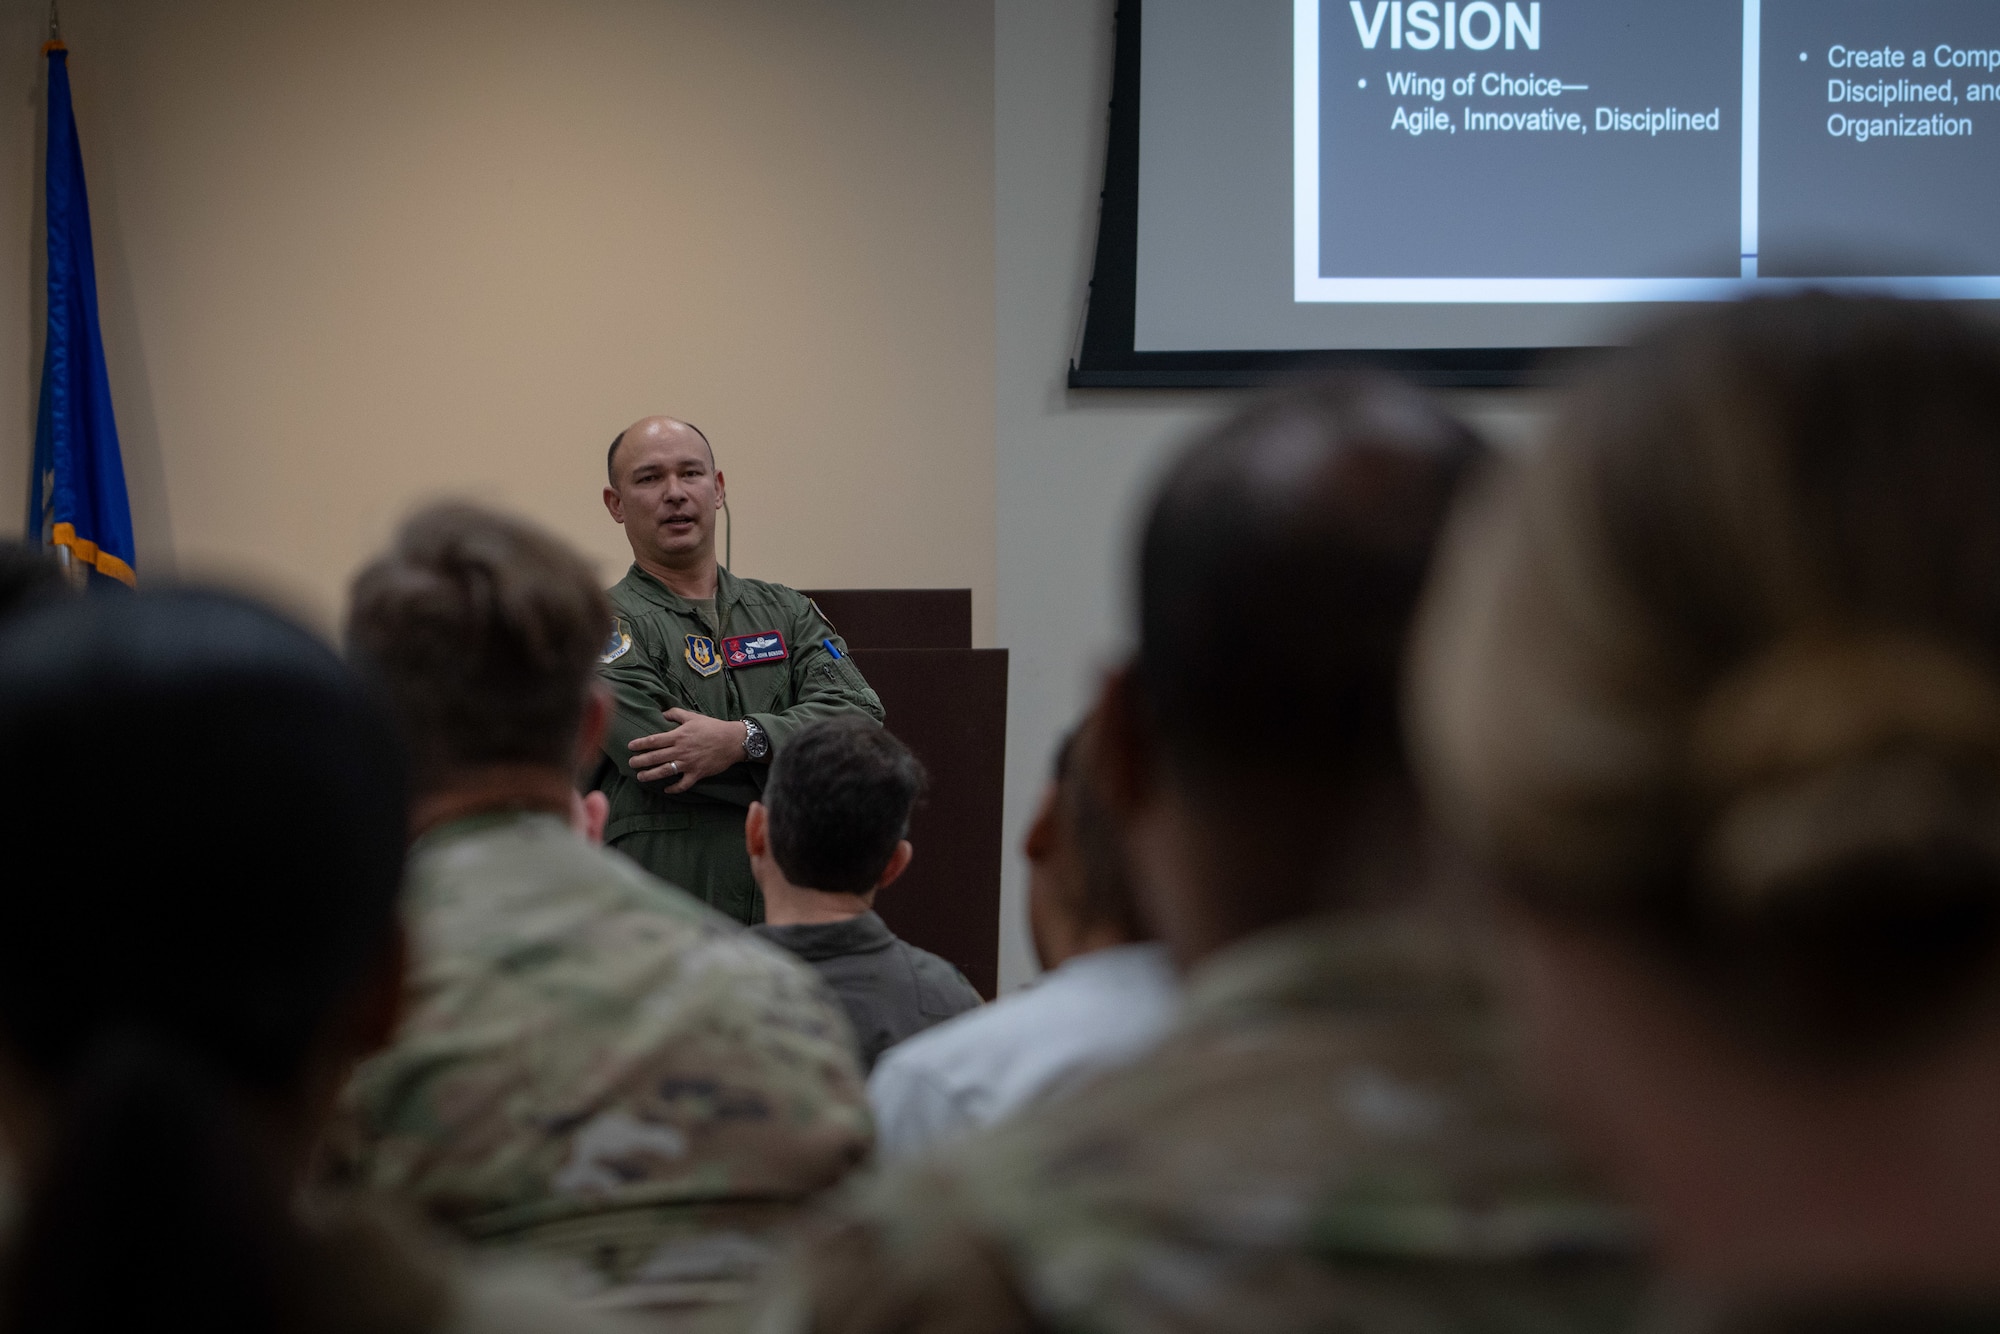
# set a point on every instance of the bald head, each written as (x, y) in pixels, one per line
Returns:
(653, 428)
(665, 491)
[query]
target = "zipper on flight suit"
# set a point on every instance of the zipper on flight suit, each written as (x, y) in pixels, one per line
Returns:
(732, 694)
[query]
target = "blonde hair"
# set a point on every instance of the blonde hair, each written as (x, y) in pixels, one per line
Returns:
(1721, 664)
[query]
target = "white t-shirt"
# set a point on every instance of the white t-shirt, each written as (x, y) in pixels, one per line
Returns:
(1097, 1010)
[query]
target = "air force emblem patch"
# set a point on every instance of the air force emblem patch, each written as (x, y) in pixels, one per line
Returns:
(701, 655)
(749, 650)
(618, 645)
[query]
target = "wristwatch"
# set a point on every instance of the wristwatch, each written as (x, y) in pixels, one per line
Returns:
(756, 743)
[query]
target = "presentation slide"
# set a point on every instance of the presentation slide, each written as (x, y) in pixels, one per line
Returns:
(1521, 173)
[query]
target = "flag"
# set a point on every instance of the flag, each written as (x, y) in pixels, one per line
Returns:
(76, 499)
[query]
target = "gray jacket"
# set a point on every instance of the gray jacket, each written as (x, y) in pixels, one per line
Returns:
(890, 988)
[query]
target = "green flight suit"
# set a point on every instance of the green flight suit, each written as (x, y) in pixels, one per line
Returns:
(694, 839)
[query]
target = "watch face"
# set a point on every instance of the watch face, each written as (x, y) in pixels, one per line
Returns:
(756, 744)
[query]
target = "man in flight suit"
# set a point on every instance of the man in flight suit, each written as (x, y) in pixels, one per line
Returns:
(710, 674)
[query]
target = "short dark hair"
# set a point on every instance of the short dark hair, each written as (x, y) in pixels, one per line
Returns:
(1279, 571)
(611, 454)
(485, 632)
(840, 795)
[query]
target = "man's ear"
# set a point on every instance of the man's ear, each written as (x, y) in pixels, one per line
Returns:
(721, 489)
(590, 731)
(1121, 751)
(757, 830)
(588, 814)
(899, 862)
(1040, 841)
(615, 503)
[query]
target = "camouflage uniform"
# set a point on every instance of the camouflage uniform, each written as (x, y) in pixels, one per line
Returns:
(365, 1270)
(666, 652)
(1327, 1141)
(599, 1069)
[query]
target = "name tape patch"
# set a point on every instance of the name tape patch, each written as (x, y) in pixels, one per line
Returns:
(749, 650)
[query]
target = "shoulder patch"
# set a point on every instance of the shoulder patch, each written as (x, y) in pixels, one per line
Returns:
(619, 644)
(700, 654)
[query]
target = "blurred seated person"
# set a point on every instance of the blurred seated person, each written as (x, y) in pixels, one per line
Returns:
(828, 835)
(1107, 995)
(1713, 686)
(1331, 1137)
(596, 1068)
(184, 989)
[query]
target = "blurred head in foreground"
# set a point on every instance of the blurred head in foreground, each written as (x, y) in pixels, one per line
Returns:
(1330, 1133)
(1251, 751)
(206, 819)
(483, 631)
(1713, 684)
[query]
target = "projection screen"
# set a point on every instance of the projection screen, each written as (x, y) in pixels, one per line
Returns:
(1456, 188)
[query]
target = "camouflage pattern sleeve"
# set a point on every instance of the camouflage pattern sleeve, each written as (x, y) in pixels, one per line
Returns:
(1333, 1139)
(596, 1065)
(733, 1080)
(905, 1262)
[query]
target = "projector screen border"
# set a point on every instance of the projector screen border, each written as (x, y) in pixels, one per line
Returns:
(1105, 356)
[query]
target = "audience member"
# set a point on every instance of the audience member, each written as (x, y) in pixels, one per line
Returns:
(596, 1067)
(1107, 996)
(829, 834)
(1713, 684)
(1330, 1138)
(184, 988)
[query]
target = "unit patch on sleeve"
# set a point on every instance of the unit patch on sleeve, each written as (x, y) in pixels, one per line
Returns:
(749, 650)
(701, 655)
(618, 645)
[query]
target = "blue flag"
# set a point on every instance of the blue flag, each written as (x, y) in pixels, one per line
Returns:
(76, 499)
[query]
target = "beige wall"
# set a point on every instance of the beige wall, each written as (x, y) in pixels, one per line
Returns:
(353, 255)
(358, 254)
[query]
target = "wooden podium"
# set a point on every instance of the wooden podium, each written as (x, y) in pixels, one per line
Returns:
(947, 701)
